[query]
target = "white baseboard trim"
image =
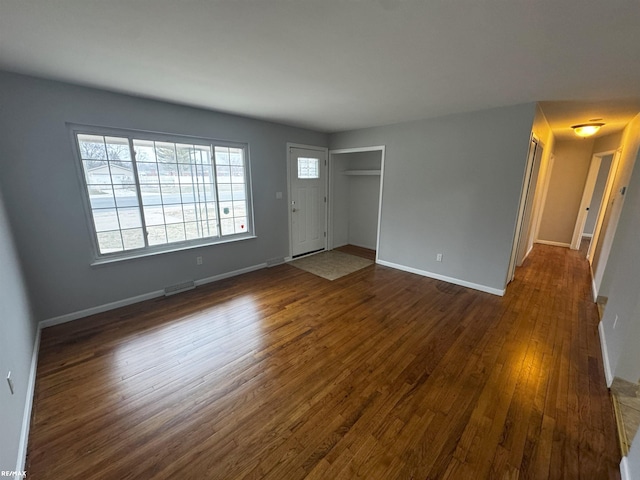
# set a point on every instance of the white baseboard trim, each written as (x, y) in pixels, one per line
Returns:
(233, 273)
(28, 406)
(608, 374)
(625, 474)
(69, 317)
(437, 276)
(139, 298)
(554, 244)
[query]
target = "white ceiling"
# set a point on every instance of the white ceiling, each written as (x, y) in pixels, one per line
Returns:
(336, 65)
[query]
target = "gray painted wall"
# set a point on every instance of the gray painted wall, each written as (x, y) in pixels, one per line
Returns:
(451, 185)
(17, 336)
(598, 192)
(624, 302)
(43, 193)
(566, 186)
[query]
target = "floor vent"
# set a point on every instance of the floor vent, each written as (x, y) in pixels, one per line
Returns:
(179, 287)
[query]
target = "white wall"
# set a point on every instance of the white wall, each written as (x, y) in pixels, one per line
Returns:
(43, 193)
(452, 186)
(17, 336)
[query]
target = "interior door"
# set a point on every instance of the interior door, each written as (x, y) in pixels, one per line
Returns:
(307, 200)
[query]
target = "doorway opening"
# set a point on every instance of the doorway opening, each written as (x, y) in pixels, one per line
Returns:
(355, 199)
(595, 198)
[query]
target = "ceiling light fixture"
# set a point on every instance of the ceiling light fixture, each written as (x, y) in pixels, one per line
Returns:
(586, 129)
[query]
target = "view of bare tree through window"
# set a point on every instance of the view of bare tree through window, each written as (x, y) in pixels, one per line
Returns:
(144, 193)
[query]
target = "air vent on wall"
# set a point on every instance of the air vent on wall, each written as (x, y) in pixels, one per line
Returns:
(179, 287)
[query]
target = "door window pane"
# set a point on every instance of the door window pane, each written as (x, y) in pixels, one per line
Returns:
(308, 167)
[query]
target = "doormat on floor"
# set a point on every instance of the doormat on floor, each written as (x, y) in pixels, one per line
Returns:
(331, 265)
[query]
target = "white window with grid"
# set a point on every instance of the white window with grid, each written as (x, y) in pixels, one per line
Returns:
(149, 193)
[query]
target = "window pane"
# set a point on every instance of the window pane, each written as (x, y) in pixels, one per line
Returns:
(157, 235)
(173, 214)
(239, 192)
(171, 194)
(227, 226)
(192, 230)
(118, 149)
(145, 151)
(223, 174)
(105, 219)
(308, 167)
(165, 152)
(185, 153)
(92, 147)
(226, 209)
(212, 212)
(237, 174)
(110, 242)
(154, 215)
(224, 191)
(148, 173)
(240, 224)
(175, 233)
(236, 156)
(222, 156)
(168, 172)
(96, 172)
(239, 209)
(126, 196)
(212, 226)
(133, 238)
(101, 196)
(122, 173)
(189, 211)
(129, 218)
(151, 194)
(188, 195)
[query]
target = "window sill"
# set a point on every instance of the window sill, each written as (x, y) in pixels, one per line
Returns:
(137, 255)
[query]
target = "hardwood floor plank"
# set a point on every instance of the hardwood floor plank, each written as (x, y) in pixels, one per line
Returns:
(279, 374)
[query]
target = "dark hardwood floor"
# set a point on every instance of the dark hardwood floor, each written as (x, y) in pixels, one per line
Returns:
(358, 251)
(382, 374)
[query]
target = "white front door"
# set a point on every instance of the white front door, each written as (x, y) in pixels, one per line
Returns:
(307, 200)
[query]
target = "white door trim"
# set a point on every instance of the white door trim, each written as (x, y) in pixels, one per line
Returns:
(608, 190)
(587, 194)
(374, 148)
(526, 180)
(546, 180)
(325, 150)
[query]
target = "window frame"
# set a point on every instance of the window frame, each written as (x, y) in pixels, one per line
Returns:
(150, 250)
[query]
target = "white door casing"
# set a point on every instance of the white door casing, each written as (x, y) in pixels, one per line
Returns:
(587, 194)
(307, 169)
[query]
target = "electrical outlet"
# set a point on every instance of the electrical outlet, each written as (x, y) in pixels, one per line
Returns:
(198, 260)
(438, 257)
(10, 382)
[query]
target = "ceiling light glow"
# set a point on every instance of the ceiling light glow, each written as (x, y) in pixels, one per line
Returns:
(586, 129)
